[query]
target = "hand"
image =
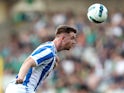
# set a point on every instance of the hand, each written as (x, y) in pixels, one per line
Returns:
(55, 65)
(57, 59)
(19, 81)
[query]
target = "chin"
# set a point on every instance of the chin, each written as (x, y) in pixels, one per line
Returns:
(67, 48)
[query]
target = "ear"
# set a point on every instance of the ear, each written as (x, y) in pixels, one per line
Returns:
(62, 37)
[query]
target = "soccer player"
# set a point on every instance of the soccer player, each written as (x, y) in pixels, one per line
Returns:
(42, 60)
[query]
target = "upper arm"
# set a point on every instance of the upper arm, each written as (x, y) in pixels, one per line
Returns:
(30, 62)
(41, 55)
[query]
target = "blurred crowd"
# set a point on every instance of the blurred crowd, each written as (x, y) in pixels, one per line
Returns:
(94, 65)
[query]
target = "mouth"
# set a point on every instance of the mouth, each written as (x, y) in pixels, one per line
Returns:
(73, 45)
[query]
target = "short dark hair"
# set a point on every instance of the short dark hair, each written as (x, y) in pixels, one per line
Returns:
(65, 29)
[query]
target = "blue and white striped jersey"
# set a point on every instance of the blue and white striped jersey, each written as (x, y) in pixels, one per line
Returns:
(44, 56)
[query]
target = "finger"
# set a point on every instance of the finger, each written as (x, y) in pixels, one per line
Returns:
(19, 81)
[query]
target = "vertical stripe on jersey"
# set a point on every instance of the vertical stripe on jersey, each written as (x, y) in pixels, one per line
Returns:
(48, 56)
(45, 70)
(27, 77)
(42, 54)
(38, 51)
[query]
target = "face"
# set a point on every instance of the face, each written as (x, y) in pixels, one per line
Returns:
(69, 41)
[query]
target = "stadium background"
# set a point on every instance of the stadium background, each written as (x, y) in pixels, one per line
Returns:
(97, 62)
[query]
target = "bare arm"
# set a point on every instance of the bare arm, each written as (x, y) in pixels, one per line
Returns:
(28, 63)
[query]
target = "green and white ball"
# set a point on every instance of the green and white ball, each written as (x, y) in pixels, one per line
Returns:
(97, 13)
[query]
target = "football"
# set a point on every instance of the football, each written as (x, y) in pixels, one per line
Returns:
(97, 13)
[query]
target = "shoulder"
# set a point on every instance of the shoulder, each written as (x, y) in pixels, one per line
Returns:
(44, 48)
(46, 45)
(49, 45)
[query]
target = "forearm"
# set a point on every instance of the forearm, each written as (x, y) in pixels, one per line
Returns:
(23, 70)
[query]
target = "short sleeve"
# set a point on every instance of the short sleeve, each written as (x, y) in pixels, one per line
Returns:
(41, 55)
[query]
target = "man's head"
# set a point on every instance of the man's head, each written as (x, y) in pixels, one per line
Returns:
(66, 37)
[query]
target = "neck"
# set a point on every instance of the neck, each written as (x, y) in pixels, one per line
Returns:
(57, 43)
